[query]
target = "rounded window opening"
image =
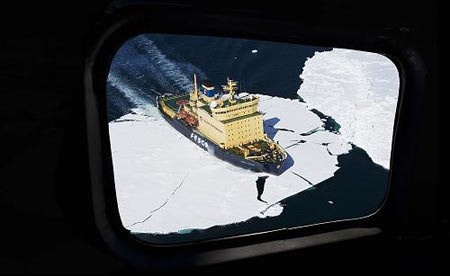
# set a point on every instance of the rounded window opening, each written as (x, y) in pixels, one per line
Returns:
(319, 123)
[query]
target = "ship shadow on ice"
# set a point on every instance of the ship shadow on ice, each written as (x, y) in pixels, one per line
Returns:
(269, 127)
(271, 131)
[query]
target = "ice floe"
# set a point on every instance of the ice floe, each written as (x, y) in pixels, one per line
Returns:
(360, 91)
(166, 183)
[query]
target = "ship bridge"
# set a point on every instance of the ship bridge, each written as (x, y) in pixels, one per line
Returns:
(242, 107)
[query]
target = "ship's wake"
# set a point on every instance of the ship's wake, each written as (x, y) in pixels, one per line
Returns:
(140, 71)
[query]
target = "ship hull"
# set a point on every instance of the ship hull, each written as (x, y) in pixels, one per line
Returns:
(214, 149)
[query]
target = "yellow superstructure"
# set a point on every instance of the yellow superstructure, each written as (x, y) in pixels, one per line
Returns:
(229, 126)
(228, 121)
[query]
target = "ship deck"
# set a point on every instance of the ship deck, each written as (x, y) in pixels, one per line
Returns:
(171, 101)
(259, 149)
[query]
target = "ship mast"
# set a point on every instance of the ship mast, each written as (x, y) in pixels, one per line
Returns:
(194, 94)
(195, 85)
(231, 88)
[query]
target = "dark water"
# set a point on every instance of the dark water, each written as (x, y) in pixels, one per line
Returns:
(260, 183)
(329, 123)
(149, 65)
(154, 64)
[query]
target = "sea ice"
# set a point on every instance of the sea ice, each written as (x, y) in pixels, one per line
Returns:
(360, 91)
(165, 183)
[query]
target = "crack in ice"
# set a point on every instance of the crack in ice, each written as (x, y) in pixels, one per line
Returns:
(268, 207)
(161, 206)
(296, 143)
(309, 182)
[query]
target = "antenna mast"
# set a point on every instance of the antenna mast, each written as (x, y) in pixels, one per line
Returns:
(230, 88)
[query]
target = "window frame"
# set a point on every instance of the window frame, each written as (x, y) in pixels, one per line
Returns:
(120, 25)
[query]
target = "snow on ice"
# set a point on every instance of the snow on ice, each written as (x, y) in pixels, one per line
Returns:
(360, 91)
(165, 183)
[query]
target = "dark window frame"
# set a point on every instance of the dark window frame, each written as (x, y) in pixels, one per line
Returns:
(126, 23)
